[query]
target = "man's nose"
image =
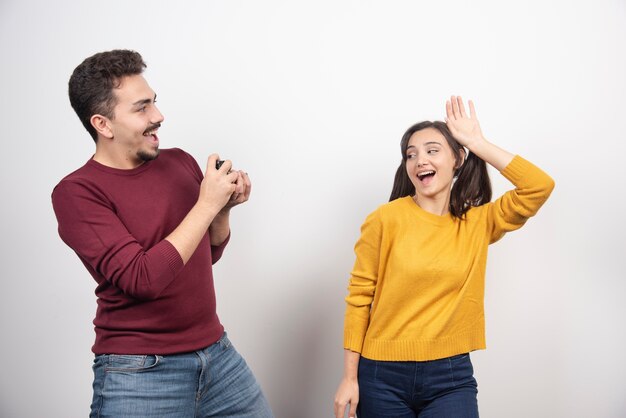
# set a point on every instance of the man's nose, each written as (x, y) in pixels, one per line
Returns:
(157, 116)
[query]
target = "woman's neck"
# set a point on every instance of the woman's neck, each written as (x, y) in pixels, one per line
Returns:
(437, 205)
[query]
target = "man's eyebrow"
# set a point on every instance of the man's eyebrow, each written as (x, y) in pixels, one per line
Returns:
(145, 101)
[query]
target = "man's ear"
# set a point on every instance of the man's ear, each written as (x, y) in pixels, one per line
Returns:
(102, 126)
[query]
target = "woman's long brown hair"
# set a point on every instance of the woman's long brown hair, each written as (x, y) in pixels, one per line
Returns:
(472, 186)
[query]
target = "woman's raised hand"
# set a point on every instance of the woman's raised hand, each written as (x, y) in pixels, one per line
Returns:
(464, 128)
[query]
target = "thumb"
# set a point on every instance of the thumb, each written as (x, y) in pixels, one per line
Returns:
(211, 161)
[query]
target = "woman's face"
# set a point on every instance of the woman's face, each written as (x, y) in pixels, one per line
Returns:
(430, 164)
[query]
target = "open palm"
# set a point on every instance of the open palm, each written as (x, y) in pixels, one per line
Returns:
(464, 128)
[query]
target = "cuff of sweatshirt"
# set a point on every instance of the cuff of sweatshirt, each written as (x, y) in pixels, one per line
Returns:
(171, 256)
(516, 169)
(523, 172)
(353, 341)
(218, 250)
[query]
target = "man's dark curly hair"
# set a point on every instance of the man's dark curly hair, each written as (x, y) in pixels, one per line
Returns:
(92, 82)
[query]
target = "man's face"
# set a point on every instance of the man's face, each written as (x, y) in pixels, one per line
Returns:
(136, 121)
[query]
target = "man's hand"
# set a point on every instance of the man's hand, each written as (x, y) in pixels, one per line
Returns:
(216, 190)
(218, 186)
(243, 187)
(220, 226)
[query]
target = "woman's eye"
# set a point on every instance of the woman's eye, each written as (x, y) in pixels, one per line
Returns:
(410, 156)
(433, 151)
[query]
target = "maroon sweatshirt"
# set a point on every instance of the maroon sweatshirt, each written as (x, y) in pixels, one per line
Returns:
(116, 221)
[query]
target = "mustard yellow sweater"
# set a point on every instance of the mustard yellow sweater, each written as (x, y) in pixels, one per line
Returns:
(417, 288)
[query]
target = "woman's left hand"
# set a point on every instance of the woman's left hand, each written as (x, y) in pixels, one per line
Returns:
(465, 129)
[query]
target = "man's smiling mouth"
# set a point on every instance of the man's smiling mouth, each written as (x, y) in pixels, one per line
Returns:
(152, 131)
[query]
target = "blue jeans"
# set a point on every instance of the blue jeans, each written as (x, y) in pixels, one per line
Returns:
(213, 382)
(443, 388)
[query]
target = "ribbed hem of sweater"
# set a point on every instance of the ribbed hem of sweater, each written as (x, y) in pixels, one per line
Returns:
(423, 350)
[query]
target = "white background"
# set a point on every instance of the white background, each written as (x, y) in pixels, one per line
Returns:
(311, 98)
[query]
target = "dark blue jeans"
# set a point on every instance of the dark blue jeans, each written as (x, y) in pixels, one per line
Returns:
(443, 388)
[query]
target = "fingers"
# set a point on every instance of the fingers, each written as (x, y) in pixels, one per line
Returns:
(458, 110)
(239, 184)
(449, 113)
(212, 161)
(455, 109)
(340, 409)
(352, 412)
(226, 166)
(472, 110)
(452, 109)
(210, 164)
(248, 186)
(242, 188)
(341, 405)
(461, 107)
(232, 176)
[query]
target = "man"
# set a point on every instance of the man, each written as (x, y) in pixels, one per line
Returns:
(148, 226)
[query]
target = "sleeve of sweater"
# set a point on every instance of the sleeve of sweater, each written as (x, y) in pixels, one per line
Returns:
(196, 171)
(89, 225)
(512, 210)
(362, 283)
(218, 250)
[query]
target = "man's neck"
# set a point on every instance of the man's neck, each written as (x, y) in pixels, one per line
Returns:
(116, 160)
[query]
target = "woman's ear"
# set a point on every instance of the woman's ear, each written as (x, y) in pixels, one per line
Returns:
(102, 126)
(462, 157)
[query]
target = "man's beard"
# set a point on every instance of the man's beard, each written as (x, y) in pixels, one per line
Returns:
(148, 156)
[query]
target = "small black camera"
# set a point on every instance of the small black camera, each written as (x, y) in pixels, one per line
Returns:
(218, 164)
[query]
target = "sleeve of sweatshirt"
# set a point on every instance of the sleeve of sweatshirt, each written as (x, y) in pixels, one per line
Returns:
(362, 284)
(192, 164)
(515, 207)
(218, 250)
(89, 225)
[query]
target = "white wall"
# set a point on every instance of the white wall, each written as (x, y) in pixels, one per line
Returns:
(311, 98)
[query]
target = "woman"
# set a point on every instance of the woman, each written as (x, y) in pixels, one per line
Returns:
(415, 304)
